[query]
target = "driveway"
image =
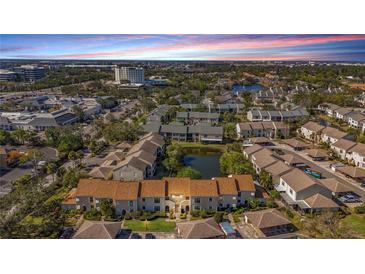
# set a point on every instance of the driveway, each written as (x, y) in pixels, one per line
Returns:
(324, 168)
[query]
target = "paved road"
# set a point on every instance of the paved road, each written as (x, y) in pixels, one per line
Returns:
(323, 167)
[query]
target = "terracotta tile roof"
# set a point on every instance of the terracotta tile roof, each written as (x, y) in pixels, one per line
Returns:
(70, 198)
(226, 186)
(298, 180)
(320, 201)
(107, 189)
(126, 191)
(201, 229)
(203, 188)
(266, 218)
(312, 126)
(178, 186)
(245, 182)
(153, 188)
(98, 230)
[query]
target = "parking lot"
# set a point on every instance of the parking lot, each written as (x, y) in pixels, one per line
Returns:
(129, 234)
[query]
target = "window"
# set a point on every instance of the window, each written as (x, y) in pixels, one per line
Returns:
(210, 199)
(196, 207)
(210, 207)
(157, 200)
(291, 191)
(91, 199)
(156, 208)
(130, 203)
(143, 199)
(234, 198)
(197, 200)
(143, 208)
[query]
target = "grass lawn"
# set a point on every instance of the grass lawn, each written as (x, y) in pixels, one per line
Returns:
(157, 225)
(58, 196)
(220, 147)
(356, 222)
(30, 220)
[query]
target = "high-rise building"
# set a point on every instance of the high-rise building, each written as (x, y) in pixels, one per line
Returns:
(29, 72)
(132, 74)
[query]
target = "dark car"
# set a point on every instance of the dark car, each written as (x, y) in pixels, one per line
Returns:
(67, 233)
(136, 236)
(150, 236)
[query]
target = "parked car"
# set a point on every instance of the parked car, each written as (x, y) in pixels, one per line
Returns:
(67, 233)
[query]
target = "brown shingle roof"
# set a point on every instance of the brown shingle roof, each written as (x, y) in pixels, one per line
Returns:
(298, 180)
(358, 148)
(320, 201)
(102, 172)
(266, 218)
(292, 159)
(98, 230)
(153, 188)
(344, 144)
(295, 143)
(202, 229)
(203, 188)
(277, 168)
(226, 186)
(252, 149)
(354, 172)
(316, 153)
(334, 185)
(334, 132)
(312, 126)
(263, 158)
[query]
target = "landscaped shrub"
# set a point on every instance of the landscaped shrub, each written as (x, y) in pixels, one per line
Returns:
(172, 215)
(160, 214)
(360, 209)
(182, 216)
(92, 215)
(195, 213)
(127, 216)
(270, 204)
(203, 214)
(289, 213)
(218, 216)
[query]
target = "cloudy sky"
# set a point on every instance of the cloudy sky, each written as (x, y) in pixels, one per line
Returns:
(185, 47)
